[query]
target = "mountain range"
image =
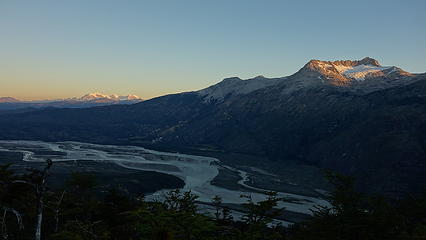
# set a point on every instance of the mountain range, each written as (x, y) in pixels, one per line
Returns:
(354, 117)
(88, 100)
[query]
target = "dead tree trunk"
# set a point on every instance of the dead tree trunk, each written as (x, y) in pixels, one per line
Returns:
(40, 191)
(57, 212)
(3, 226)
(18, 216)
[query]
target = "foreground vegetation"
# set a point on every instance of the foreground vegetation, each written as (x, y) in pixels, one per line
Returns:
(30, 210)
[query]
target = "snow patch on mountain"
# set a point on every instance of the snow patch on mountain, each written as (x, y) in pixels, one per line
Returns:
(356, 70)
(359, 72)
(236, 86)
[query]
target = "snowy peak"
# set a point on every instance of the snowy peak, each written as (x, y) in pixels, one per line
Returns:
(130, 97)
(344, 72)
(368, 61)
(93, 96)
(8, 100)
(99, 97)
(318, 64)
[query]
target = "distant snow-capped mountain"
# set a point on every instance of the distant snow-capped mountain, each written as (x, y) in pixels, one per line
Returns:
(103, 97)
(88, 100)
(8, 100)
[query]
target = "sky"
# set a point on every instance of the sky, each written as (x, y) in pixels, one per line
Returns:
(58, 49)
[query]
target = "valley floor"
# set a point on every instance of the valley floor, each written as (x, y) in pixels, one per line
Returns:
(204, 176)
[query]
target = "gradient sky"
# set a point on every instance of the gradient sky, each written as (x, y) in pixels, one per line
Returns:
(58, 49)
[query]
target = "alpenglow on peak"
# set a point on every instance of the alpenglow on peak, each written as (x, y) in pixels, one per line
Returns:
(113, 97)
(345, 71)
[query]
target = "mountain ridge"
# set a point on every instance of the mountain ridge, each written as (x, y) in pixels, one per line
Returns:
(360, 76)
(365, 130)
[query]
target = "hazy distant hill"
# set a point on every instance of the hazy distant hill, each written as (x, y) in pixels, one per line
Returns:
(357, 117)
